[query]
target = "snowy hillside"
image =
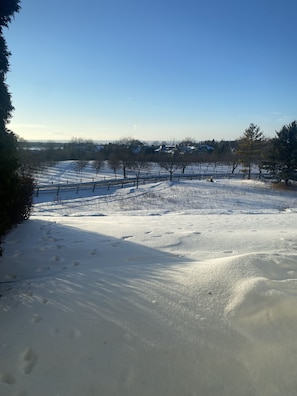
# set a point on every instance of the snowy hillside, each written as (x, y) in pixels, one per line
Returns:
(181, 288)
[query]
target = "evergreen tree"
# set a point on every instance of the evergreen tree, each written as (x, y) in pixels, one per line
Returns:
(282, 156)
(16, 188)
(250, 146)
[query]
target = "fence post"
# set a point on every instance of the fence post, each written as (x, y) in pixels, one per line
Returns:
(58, 190)
(94, 187)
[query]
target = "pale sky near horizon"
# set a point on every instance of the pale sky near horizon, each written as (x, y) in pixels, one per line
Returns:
(152, 69)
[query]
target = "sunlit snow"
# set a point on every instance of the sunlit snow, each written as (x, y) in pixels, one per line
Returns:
(174, 288)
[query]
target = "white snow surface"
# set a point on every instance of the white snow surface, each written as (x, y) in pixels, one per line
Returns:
(181, 288)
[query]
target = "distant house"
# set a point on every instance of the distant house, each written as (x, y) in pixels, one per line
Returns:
(166, 149)
(187, 149)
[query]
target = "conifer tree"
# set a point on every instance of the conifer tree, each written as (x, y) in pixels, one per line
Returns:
(249, 148)
(15, 188)
(282, 156)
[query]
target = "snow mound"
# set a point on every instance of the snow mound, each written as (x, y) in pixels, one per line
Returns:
(175, 303)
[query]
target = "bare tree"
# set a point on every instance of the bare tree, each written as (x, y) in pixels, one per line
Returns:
(79, 165)
(114, 163)
(98, 162)
(139, 164)
(170, 162)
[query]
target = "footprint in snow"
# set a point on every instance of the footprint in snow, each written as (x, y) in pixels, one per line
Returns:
(28, 360)
(7, 378)
(36, 319)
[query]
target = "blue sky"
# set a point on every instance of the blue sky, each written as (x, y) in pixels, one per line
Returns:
(152, 69)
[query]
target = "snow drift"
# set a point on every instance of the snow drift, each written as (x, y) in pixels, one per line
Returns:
(167, 300)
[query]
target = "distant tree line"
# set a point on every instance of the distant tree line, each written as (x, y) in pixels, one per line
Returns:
(277, 156)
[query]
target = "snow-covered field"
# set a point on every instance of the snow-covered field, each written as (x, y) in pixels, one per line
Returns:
(66, 172)
(185, 288)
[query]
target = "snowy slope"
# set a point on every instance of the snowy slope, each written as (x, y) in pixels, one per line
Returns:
(172, 289)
